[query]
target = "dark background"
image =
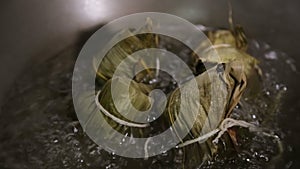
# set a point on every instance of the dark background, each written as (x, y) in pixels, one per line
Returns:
(34, 29)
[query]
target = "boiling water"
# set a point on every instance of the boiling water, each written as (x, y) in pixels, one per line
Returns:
(39, 128)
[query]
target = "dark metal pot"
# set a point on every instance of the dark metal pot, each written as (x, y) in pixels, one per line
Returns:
(34, 30)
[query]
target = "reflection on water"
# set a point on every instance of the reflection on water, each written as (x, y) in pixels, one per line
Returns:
(39, 128)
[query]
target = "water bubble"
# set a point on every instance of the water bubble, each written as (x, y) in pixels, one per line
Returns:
(264, 157)
(108, 166)
(272, 55)
(93, 152)
(75, 130)
(277, 86)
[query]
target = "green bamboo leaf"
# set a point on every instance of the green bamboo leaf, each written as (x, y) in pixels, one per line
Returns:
(137, 40)
(227, 85)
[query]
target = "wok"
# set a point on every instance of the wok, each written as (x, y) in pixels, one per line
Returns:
(35, 30)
